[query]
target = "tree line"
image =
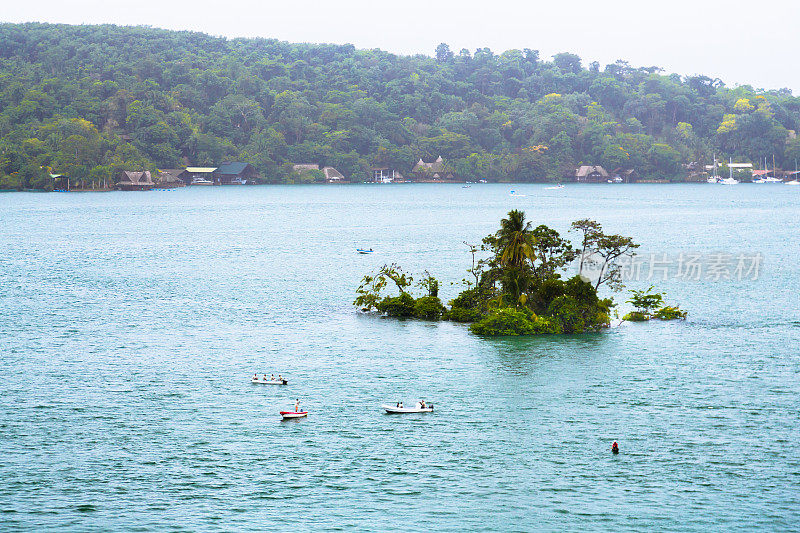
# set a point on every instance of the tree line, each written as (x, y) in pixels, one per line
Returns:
(90, 101)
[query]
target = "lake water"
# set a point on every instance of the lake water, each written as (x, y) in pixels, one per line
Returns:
(131, 323)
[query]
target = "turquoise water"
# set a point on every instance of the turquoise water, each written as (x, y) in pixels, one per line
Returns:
(130, 324)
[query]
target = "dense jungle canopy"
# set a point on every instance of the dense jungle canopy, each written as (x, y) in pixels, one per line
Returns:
(90, 101)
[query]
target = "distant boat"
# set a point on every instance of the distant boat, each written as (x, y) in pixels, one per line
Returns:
(559, 186)
(793, 182)
(403, 410)
(482, 181)
(730, 179)
(293, 414)
(201, 181)
(616, 179)
(515, 193)
(466, 186)
(362, 251)
(714, 178)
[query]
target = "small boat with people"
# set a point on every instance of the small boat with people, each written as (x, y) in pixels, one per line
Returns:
(297, 413)
(363, 251)
(288, 415)
(515, 193)
(399, 408)
(272, 380)
(554, 187)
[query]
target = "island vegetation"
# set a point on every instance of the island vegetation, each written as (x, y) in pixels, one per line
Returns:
(649, 305)
(515, 284)
(91, 101)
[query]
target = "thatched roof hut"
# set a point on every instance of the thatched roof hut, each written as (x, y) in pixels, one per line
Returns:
(135, 181)
(591, 174)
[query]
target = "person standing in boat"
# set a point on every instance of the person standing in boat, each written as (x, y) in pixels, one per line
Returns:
(297, 406)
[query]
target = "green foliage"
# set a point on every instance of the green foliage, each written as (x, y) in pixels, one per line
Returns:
(429, 308)
(512, 321)
(402, 306)
(461, 314)
(670, 313)
(68, 94)
(636, 316)
(646, 300)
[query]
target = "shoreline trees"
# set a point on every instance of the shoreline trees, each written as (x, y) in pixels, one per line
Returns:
(148, 98)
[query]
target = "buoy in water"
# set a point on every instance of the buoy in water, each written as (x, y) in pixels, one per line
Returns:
(615, 448)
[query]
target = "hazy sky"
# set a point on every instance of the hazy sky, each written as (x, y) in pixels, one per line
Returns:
(753, 43)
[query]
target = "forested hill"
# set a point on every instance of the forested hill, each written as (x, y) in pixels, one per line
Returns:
(89, 101)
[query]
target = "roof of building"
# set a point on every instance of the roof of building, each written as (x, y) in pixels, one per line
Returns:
(201, 170)
(585, 170)
(305, 166)
(332, 174)
(740, 165)
(436, 166)
(231, 168)
(170, 173)
(136, 178)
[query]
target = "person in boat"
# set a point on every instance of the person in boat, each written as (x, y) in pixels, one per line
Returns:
(401, 405)
(297, 406)
(255, 377)
(280, 378)
(271, 377)
(398, 404)
(422, 404)
(615, 448)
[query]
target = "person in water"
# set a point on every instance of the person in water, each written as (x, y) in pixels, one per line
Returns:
(615, 448)
(297, 406)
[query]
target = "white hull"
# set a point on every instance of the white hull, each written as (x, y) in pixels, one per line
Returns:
(795, 182)
(268, 382)
(288, 415)
(399, 410)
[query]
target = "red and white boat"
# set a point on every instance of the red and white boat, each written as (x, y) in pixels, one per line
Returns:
(293, 414)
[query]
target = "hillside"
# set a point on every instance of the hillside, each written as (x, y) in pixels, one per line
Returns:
(90, 101)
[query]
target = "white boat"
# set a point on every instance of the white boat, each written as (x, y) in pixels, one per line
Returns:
(759, 180)
(770, 179)
(559, 186)
(713, 178)
(730, 179)
(793, 182)
(201, 181)
(515, 193)
(293, 414)
(392, 409)
(269, 381)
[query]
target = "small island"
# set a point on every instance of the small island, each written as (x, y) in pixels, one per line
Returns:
(518, 288)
